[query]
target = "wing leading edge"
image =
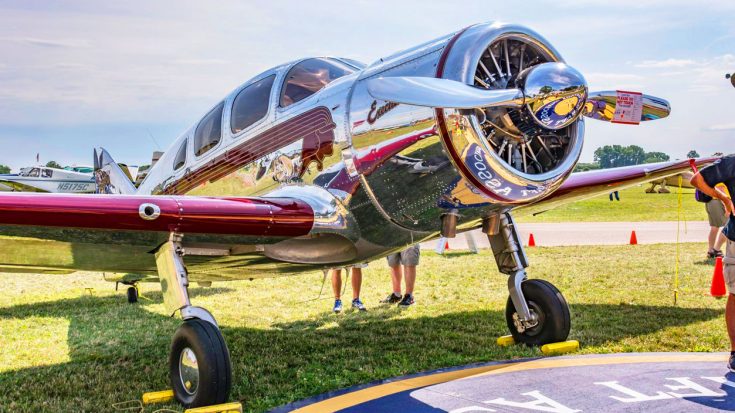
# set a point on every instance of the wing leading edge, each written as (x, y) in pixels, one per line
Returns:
(584, 185)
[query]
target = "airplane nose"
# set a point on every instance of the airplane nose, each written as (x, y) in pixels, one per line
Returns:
(554, 94)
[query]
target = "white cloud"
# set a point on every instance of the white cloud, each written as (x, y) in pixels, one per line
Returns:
(668, 63)
(721, 128)
(603, 80)
(60, 43)
(200, 61)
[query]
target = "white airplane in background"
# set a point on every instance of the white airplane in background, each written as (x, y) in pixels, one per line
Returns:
(70, 180)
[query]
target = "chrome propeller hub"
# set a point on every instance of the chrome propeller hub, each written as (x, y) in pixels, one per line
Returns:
(554, 93)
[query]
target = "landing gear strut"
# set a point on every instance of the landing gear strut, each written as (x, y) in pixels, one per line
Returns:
(536, 312)
(199, 362)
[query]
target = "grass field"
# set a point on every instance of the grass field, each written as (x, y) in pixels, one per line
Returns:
(634, 205)
(66, 350)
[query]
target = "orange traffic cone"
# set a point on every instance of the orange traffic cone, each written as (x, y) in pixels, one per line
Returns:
(633, 239)
(531, 241)
(717, 289)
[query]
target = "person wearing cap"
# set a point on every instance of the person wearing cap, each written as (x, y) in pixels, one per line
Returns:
(722, 171)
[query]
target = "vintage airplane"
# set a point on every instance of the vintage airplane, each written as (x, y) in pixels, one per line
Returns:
(72, 179)
(327, 162)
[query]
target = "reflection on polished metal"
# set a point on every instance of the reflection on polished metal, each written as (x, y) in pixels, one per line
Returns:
(175, 281)
(440, 93)
(449, 223)
(505, 153)
(149, 211)
(601, 106)
(491, 224)
(189, 371)
(554, 94)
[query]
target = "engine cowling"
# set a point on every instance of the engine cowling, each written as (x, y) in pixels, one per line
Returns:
(513, 154)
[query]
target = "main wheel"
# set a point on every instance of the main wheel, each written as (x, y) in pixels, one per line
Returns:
(132, 295)
(199, 365)
(551, 309)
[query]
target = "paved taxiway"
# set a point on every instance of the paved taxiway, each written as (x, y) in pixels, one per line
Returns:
(594, 233)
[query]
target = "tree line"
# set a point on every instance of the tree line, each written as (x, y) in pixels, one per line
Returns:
(614, 156)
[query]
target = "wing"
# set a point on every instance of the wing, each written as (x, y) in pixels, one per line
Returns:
(583, 185)
(117, 233)
(17, 186)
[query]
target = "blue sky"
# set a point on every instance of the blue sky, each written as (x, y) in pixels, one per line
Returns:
(130, 76)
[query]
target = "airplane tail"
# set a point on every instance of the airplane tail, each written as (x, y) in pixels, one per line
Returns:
(110, 177)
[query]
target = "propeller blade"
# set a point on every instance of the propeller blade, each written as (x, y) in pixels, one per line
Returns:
(440, 93)
(603, 105)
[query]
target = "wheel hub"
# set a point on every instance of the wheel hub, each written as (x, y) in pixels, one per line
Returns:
(189, 371)
(530, 327)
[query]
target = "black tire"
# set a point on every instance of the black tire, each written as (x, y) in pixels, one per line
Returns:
(132, 295)
(213, 361)
(552, 310)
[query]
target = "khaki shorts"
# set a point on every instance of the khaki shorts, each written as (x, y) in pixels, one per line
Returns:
(729, 266)
(716, 213)
(408, 257)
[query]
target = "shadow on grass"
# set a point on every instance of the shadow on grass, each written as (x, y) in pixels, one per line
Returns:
(117, 351)
(453, 254)
(709, 262)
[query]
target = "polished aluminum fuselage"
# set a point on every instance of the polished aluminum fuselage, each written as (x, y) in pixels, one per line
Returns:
(381, 179)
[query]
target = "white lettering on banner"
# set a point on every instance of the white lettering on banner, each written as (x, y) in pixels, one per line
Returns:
(541, 403)
(628, 107)
(688, 384)
(471, 409)
(634, 395)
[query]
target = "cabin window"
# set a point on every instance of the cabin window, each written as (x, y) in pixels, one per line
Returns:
(34, 173)
(180, 159)
(309, 77)
(46, 173)
(251, 104)
(209, 131)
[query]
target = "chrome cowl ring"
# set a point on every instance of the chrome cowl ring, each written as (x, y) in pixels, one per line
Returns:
(513, 155)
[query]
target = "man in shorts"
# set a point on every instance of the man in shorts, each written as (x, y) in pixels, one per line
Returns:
(356, 285)
(723, 172)
(403, 265)
(717, 219)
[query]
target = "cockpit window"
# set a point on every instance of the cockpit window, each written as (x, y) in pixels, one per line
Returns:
(180, 159)
(251, 104)
(209, 131)
(33, 173)
(46, 173)
(310, 76)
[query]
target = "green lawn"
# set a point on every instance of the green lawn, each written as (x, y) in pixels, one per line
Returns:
(66, 350)
(634, 205)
